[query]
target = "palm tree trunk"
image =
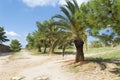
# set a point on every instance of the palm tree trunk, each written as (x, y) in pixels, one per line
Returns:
(39, 49)
(45, 48)
(79, 50)
(51, 50)
(63, 51)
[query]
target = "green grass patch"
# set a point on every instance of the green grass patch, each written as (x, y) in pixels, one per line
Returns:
(109, 55)
(99, 50)
(66, 50)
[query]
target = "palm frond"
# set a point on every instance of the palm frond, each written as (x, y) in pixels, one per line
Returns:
(59, 16)
(66, 12)
(70, 7)
(76, 5)
(39, 25)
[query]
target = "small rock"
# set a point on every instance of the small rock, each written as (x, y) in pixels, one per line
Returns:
(43, 77)
(17, 78)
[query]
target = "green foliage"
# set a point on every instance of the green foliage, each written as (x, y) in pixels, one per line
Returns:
(30, 40)
(15, 45)
(45, 36)
(95, 44)
(74, 22)
(3, 38)
(34, 41)
(109, 38)
(103, 14)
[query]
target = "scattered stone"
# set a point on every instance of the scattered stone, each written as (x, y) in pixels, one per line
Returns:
(42, 77)
(17, 78)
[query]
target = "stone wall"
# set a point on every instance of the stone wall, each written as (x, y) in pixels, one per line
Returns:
(4, 48)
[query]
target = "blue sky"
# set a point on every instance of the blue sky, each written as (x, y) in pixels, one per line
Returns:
(18, 17)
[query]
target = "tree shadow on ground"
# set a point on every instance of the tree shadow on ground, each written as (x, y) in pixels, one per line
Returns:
(65, 53)
(5, 53)
(102, 62)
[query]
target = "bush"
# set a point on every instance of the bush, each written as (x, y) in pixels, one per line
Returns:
(95, 44)
(15, 45)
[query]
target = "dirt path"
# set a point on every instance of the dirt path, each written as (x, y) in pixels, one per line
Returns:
(51, 70)
(10, 68)
(32, 66)
(47, 68)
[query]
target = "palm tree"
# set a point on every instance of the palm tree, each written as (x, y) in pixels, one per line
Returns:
(53, 35)
(34, 41)
(47, 34)
(41, 34)
(73, 21)
(30, 40)
(3, 38)
(64, 41)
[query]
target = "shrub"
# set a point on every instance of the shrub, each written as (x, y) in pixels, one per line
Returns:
(15, 45)
(95, 44)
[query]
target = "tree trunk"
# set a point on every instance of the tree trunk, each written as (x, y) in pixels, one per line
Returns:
(79, 50)
(45, 49)
(63, 51)
(51, 50)
(39, 49)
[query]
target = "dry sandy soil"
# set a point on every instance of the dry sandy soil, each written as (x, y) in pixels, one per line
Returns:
(31, 67)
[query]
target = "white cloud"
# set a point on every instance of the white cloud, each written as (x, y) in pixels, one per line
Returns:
(81, 1)
(12, 34)
(35, 3)
(62, 2)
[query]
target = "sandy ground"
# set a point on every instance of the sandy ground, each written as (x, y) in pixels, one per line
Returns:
(50, 68)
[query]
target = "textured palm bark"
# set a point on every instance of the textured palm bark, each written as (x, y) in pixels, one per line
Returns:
(79, 50)
(63, 51)
(45, 49)
(39, 49)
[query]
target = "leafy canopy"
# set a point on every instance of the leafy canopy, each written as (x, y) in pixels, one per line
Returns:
(15, 45)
